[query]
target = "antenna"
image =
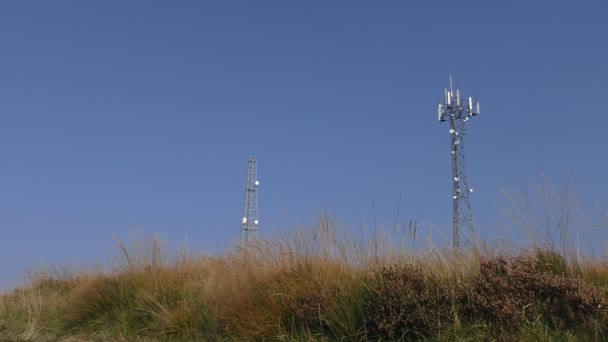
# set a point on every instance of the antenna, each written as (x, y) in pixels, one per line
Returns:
(462, 216)
(249, 222)
(451, 89)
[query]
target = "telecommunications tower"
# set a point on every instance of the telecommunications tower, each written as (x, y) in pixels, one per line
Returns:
(249, 222)
(453, 110)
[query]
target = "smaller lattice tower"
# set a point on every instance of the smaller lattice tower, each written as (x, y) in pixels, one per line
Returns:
(453, 110)
(249, 222)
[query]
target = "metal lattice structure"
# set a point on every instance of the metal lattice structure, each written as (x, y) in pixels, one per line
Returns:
(458, 115)
(249, 222)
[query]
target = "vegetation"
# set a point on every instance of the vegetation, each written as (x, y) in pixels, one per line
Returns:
(318, 284)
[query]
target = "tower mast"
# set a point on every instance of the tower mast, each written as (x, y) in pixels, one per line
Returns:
(249, 222)
(457, 114)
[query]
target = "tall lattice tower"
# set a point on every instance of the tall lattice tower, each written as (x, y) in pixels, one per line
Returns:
(453, 110)
(249, 222)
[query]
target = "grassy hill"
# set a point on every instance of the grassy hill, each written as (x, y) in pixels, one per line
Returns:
(317, 284)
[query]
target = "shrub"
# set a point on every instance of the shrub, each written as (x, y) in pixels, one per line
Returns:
(404, 302)
(508, 293)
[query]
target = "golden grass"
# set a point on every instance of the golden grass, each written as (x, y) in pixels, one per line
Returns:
(318, 283)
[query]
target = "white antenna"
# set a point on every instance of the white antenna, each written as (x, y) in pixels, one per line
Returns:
(451, 89)
(470, 105)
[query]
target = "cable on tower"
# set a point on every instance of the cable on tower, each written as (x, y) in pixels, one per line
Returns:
(249, 222)
(458, 114)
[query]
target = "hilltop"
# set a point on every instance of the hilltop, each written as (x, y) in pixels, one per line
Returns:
(319, 283)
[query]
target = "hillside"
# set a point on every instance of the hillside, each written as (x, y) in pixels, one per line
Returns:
(319, 284)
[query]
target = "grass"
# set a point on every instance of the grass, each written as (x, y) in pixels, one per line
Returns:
(319, 283)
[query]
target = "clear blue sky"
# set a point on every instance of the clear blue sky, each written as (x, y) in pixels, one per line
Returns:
(141, 115)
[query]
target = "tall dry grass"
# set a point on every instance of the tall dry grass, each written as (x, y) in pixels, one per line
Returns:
(320, 282)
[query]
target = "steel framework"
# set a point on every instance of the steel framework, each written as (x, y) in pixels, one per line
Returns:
(249, 222)
(458, 115)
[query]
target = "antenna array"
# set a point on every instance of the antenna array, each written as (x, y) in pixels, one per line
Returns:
(249, 222)
(458, 115)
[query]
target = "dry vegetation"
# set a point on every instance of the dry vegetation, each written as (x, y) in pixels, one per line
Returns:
(319, 283)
